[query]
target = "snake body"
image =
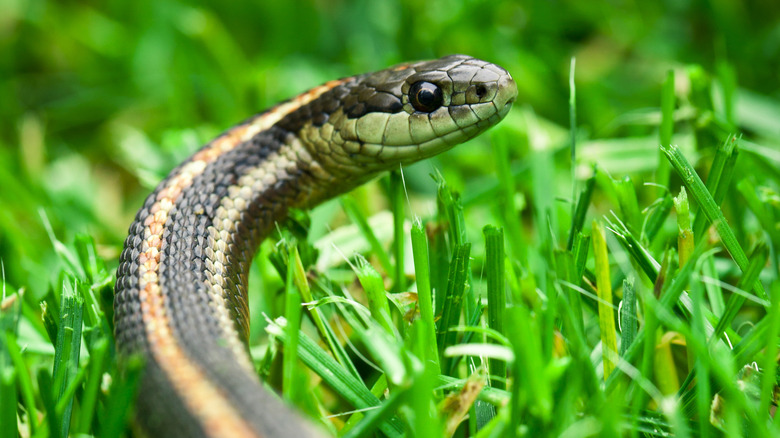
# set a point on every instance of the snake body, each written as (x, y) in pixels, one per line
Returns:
(181, 290)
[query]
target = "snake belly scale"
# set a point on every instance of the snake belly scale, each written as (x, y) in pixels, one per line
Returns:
(181, 290)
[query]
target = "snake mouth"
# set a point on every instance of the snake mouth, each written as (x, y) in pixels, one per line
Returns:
(507, 92)
(387, 155)
(446, 127)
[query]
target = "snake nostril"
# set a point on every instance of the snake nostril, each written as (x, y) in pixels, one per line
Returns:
(481, 91)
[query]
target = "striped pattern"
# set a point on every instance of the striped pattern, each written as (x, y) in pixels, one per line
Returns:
(181, 284)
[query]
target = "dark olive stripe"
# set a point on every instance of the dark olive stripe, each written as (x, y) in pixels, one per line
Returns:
(182, 270)
(165, 412)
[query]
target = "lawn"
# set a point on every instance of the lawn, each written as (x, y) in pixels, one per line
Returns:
(604, 262)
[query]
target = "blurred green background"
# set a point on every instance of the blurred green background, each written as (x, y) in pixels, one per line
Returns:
(100, 99)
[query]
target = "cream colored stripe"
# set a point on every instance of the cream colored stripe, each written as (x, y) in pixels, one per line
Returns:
(223, 231)
(201, 397)
(205, 401)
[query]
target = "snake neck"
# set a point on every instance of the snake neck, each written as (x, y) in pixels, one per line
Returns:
(186, 263)
(235, 203)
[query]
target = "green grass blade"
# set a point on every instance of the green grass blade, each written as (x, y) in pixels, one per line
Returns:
(667, 127)
(639, 254)
(319, 318)
(118, 407)
(439, 259)
(89, 398)
(604, 287)
(629, 205)
(669, 298)
(450, 210)
(66, 359)
(421, 399)
(497, 428)
(8, 423)
(352, 210)
(24, 381)
(701, 365)
(397, 201)
(14, 373)
(628, 317)
(710, 209)
(769, 365)
(424, 294)
(47, 398)
(763, 212)
(647, 339)
(719, 178)
(685, 234)
(345, 384)
(580, 211)
(655, 221)
(529, 390)
(374, 287)
(580, 251)
(714, 292)
(50, 314)
(728, 83)
(488, 394)
(572, 120)
(581, 353)
(496, 292)
(456, 287)
(506, 198)
(375, 417)
(567, 271)
(757, 261)
(290, 377)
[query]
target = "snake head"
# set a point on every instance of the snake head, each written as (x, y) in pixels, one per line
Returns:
(360, 125)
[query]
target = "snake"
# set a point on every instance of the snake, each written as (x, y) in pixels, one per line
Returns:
(180, 300)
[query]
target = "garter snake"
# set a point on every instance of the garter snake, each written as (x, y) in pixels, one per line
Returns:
(180, 299)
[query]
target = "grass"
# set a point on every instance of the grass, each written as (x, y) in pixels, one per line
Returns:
(606, 267)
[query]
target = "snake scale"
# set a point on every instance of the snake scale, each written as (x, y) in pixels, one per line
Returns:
(181, 290)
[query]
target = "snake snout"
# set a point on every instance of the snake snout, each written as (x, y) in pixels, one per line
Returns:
(507, 91)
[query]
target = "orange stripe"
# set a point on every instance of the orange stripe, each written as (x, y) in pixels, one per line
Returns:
(204, 399)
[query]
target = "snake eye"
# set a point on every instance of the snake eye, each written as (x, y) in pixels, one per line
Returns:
(425, 96)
